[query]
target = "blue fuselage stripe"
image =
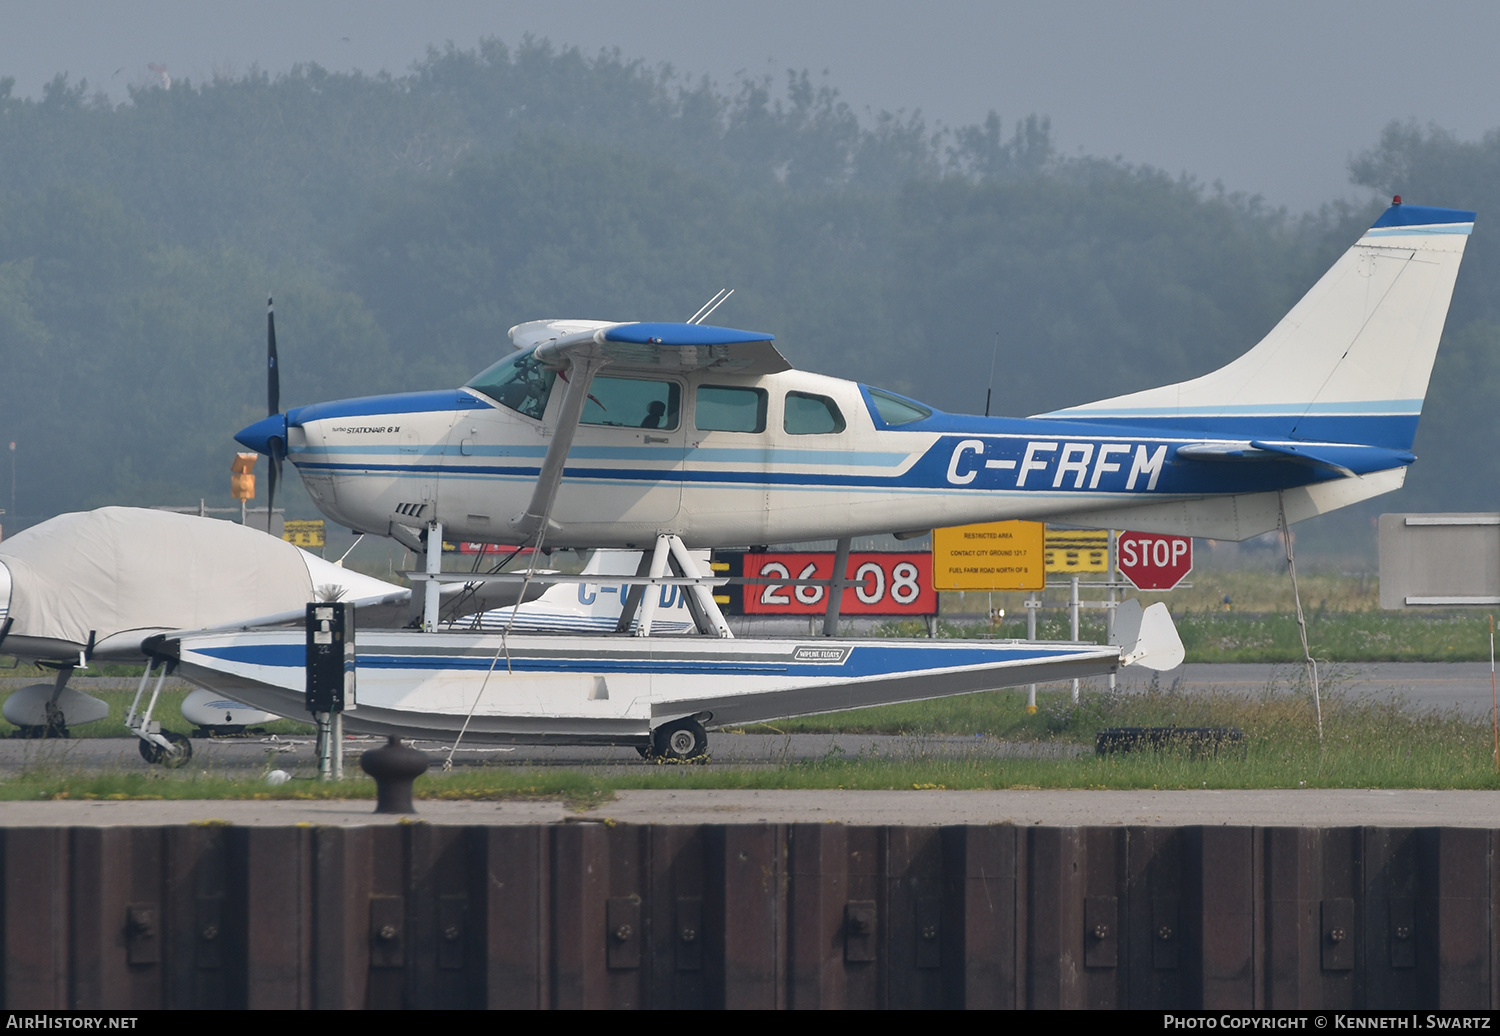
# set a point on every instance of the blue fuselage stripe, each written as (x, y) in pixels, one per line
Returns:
(862, 661)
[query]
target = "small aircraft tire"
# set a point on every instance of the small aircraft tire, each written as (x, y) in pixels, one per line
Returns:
(155, 754)
(685, 741)
(184, 746)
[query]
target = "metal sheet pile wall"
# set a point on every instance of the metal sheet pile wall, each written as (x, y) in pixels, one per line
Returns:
(777, 916)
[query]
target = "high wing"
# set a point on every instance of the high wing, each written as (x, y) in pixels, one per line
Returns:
(581, 348)
(652, 347)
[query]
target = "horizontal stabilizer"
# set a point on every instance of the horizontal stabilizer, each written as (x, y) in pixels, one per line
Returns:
(1336, 459)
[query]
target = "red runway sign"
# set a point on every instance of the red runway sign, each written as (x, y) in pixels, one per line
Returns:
(1153, 561)
(881, 583)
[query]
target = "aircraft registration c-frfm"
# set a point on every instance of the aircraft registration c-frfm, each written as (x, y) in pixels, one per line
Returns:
(603, 434)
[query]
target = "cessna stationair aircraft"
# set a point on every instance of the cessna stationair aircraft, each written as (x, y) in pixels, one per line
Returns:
(600, 434)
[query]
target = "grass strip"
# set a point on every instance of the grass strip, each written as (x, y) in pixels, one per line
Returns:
(1234, 636)
(1368, 743)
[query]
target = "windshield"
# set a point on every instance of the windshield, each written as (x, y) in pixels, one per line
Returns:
(519, 382)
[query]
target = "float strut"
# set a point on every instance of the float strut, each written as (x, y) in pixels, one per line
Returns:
(434, 566)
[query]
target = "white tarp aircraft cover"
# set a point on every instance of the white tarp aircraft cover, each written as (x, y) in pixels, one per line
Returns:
(119, 570)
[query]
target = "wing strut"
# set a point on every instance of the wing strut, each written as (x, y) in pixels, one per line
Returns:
(579, 376)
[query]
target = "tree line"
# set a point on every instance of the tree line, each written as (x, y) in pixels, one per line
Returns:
(405, 222)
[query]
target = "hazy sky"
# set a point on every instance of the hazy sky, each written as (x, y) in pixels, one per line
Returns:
(1269, 97)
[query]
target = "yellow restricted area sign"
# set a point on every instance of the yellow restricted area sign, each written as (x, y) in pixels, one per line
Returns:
(1078, 550)
(990, 556)
(304, 534)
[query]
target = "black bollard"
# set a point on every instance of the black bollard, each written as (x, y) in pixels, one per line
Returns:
(394, 768)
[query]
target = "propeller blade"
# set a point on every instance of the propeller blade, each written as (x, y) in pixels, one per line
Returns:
(273, 367)
(273, 474)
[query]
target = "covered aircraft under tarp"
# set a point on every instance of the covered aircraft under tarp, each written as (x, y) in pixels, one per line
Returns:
(100, 582)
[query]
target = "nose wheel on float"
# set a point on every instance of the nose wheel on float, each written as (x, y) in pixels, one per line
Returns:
(180, 752)
(159, 747)
(685, 741)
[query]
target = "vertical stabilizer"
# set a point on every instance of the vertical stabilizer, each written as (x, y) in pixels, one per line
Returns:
(1349, 363)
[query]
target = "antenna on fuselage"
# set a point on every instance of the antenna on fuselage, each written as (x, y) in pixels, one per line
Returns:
(991, 387)
(711, 305)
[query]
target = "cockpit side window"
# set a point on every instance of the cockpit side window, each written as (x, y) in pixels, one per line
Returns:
(632, 403)
(721, 408)
(807, 414)
(519, 382)
(894, 410)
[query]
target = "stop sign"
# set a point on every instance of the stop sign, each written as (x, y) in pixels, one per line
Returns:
(1153, 561)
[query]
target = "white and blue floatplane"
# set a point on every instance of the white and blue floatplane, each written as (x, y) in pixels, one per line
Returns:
(620, 434)
(595, 434)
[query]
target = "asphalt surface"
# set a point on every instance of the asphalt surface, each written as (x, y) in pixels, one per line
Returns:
(1464, 686)
(240, 757)
(1305, 808)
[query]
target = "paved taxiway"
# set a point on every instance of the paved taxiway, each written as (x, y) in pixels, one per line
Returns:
(242, 756)
(1305, 808)
(1464, 686)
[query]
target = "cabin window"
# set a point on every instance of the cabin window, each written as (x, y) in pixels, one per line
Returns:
(894, 410)
(722, 409)
(811, 415)
(519, 382)
(633, 403)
